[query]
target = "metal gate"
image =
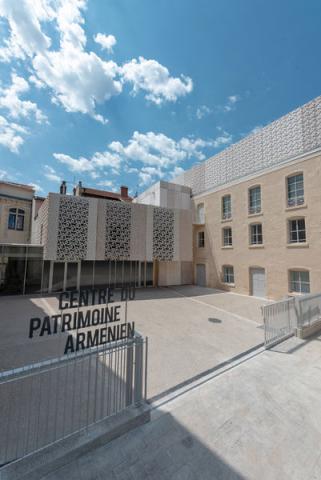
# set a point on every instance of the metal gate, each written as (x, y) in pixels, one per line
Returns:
(280, 321)
(46, 402)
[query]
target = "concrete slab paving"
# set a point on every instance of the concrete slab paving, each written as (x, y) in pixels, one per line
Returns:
(261, 419)
(191, 329)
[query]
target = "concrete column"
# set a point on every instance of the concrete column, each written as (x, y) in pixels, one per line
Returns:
(139, 274)
(64, 287)
(51, 269)
(78, 275)
(155, 273)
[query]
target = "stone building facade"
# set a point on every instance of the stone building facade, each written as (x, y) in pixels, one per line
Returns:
(260, 203)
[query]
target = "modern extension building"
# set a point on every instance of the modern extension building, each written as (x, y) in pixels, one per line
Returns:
(247, 220)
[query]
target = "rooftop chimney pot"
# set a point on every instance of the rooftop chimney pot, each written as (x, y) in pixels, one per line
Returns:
(124, 191)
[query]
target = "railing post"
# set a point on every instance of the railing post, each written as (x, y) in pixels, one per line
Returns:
(138, 381)
(129, 372)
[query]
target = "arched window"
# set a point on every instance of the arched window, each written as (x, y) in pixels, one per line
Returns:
(16, 219)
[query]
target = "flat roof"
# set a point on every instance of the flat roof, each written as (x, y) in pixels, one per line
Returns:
(18, 185)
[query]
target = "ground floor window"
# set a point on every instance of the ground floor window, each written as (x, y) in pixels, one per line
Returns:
(228, 274)
(299, 281)
(21, 269)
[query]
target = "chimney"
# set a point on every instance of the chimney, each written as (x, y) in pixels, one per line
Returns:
(63, 188)
(124, 191)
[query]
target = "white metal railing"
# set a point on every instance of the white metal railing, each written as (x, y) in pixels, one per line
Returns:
(279, 321)
(44, 403)
(309, 309)
(282, 318)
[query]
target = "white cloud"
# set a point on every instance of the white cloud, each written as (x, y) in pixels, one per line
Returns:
(153, 78)
(3, 174)
(78, 79)
(51, 174)
(231, 101)
(202, 111)
(10, 135)
(256, 129)
(149, 174)
(99, 161)
(157, 153)
(17, 108)
(37, 83)
(106, 183)
(75, 164)
(37, 187)
(107, 42)
(26, 37)
(176, 172)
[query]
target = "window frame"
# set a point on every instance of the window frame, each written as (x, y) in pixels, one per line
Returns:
(228, 214)
(16, 219)
(201, 235)
(228, 277)
(299, 281)
(254, 209)
(256, 234)
(297, 200)
(228, 237)
(296, 231)
(200, 218)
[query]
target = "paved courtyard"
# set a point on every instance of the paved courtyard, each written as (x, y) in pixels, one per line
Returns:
(190, 329)
(258, 420)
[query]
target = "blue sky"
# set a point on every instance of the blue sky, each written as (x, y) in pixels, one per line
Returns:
(127, 92)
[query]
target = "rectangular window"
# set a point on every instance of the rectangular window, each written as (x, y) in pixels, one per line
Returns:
(295, 190)
(228, 274)
(20, 220)
(226, 207)
(254, 200)
(299, 281)
(200, 239)
(297, 231)
(12, 220)
(256, 234)
(227, 237)
(16, 219)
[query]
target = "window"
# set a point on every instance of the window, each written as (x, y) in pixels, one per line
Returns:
(256, 235)
(200, 216)
(228, 274)
(226, 207)
(295, 190)
(297, 231)
(227, 237)
(16, 219)
(200, 239)
(299, 281)
(254, 200)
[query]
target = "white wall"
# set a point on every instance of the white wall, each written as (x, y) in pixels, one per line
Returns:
(166, 194)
